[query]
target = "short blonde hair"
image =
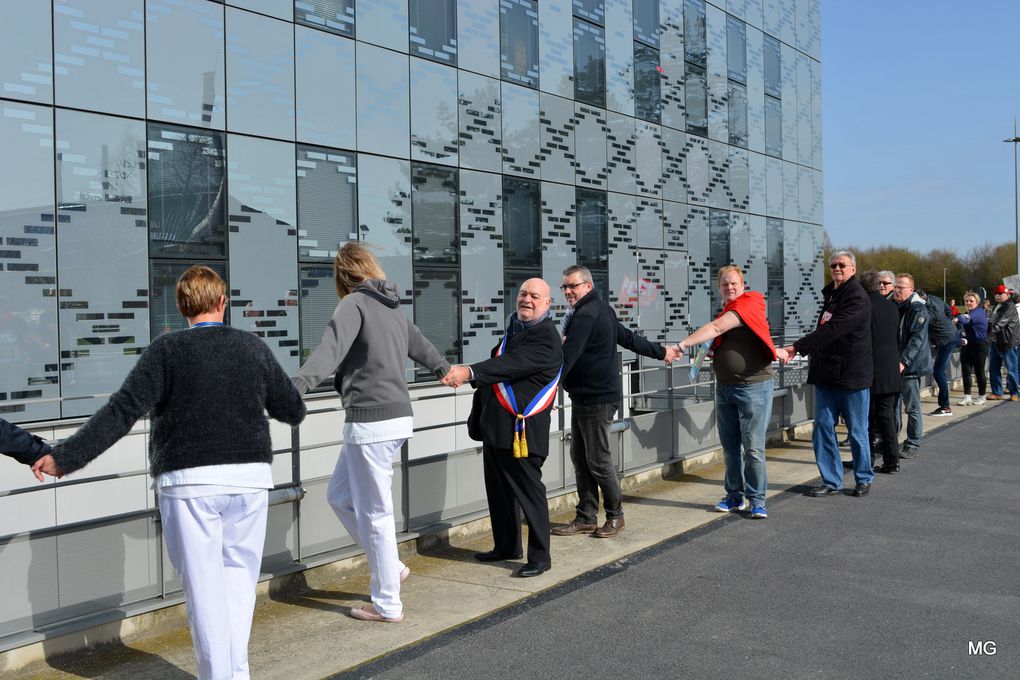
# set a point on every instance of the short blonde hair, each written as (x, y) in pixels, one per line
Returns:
(352, 265)
(199, 290)
(972, 294)
(730, 269)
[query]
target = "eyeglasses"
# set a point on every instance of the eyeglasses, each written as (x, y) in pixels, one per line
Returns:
(885, 283)
(571, 286)
(840, 265)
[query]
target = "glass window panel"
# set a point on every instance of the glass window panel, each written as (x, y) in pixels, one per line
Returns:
(434, 215)
(592, 230)
(477, 24)
(696, 95)
(185, 86)
(103, 268)
(521, 131)
(263, 242)
(620, 56)
(590, 146)
(773, 62)
(737, 114)
(317, 301)
(522, 226)
(433, 30)
(481, 268)
(164, 317)
(281, 9)
(592, 10)
(187, 192)
(383, 101)
(324, 79)
(433, 112)
(384, 217)
(695, 37)
(718, 248)
(26, 52)
(647, 83)
(736, 49)
(327, 200)
(589, 64)
(383, 22)
(774, 237)
(646, 22)
(437, 313)
(481, 123)
(28, 304)
(518, 40)
(555, 47)
(260, 75)
(336, 16)
(99, 55)
(773, 126)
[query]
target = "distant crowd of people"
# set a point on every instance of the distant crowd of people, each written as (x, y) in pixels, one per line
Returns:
(207, 390)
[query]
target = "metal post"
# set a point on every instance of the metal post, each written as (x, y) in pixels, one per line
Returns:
(1016, 195)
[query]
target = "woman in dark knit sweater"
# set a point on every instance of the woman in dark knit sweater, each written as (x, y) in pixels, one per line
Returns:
(367, 343)
(207, 390)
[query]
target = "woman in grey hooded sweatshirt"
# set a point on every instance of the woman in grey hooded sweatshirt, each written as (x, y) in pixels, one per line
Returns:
(366, 343)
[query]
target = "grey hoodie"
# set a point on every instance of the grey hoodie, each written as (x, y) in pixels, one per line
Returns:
(367, 342)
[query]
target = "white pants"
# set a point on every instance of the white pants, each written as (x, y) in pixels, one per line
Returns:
(215, 543)
(360, 494)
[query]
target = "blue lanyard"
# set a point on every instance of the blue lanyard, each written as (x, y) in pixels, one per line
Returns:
(207, 323)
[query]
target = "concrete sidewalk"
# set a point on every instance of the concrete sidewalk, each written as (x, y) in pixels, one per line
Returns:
(310, 635)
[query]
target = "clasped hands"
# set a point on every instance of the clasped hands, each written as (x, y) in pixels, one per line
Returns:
(456, 376)
(46, 465)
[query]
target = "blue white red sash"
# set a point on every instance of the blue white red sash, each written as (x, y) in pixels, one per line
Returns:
(543, 400)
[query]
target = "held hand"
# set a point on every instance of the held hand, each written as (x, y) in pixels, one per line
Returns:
(672, 354)
(791, 352)
(902, 367)
(457, 376)
(782, 355)
(47, 465)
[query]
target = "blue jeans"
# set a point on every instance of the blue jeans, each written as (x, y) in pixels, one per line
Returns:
(912, 406)
(942, 356)
(742, 413)
(830, 404)
(996, 359)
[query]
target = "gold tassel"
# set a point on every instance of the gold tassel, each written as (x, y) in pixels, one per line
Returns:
(517, 445)
(524, 438)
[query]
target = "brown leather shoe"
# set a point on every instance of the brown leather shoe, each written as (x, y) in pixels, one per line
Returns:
(574, 528)
(610, 528)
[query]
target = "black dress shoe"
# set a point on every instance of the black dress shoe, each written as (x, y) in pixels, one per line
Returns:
(493, 556)
(910, 453)
(532, 569)
(861, 489)
(823, 490)
(888, 468)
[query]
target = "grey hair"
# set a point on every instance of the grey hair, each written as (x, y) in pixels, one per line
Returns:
(886, 274)
(843, 253)
(869, 280)
(581, 270)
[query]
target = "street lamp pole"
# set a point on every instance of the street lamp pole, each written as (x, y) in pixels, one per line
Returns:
(1016, 194)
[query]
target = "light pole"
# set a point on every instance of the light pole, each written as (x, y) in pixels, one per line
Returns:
(1016, 195)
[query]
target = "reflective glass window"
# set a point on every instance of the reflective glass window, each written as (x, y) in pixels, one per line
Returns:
(773, 72)
(695, 37)
(317, 301)
(327, 201)
(26, 52)
(336, 16)
(589, 63)
(518, 40)
(433, 29)
(591, 10)
(324, 80)
(434, 134)
(281, 9)
(383, 101)
(28, 306)
(185, 86)
(477, 25)
(522, 226)
(163, 316)
(646, 22)
(774, 259)
(383, 23)
(260, 75)
(718, 248)
(696, 96)
(187, 192)
(736, 49)
(737, 107)
(99, 55)
(435, 238)
(384, 217)
(773, 126)
(647, 83)
(103, 266)
(437, 313)
(592, 230)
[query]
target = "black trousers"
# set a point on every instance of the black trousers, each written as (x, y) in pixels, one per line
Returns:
(973, 356)
(512, 485)
(884, 411)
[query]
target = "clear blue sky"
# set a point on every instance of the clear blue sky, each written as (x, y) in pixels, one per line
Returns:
(917, 96)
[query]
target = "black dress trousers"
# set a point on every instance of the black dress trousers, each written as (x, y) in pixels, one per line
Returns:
(512, 483)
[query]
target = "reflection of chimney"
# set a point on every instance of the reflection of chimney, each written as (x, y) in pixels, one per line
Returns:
(208, 95)
(104, 168)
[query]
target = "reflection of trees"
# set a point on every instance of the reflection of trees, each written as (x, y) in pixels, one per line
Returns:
(590, 81)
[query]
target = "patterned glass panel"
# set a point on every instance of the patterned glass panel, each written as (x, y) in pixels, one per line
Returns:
(481, 123)
(384, 218)
(260, 75)
(324, 80)
(383, 102)
(383, 23)
(434, 199)
(336, 16)
(481, 221)
(619, 57)
(518, 39)
(555, 47)
(433, 30)
(26, 52)
(433, 112)
(647, 83)
(592, 10)
(327, 200)
(589, 63)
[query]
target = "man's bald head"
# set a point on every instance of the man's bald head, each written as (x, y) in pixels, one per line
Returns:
(533, 299)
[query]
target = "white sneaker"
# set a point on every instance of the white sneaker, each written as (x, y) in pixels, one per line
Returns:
(979, 401)
(966, 401)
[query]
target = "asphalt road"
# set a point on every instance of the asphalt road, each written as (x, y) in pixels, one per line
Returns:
(899, 584)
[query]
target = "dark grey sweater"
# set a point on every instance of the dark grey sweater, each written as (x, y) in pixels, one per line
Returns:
(207, 390)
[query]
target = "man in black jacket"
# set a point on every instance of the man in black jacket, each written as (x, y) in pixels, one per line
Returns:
(886, 385)
(591, 379)
(510, 416)
(841, 370)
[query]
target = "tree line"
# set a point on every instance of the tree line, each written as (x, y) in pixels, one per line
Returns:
(983, 266)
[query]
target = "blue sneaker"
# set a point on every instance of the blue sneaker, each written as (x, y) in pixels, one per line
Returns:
(759, 512)
(731, 504)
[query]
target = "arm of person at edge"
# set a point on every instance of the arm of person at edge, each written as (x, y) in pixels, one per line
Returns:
(337, 338)
(21, 445)
(917, 339)
(424, 352)
(537, 352)
(639, 344)
(848, 315)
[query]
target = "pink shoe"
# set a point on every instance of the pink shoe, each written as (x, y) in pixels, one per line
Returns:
(368, 613)
(404, 573)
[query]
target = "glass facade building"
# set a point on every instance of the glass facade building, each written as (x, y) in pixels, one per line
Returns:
(472, 143)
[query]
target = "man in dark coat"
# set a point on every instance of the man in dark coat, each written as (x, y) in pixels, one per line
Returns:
(510, 416)
(20, 445)
(841, 370)
(886, 385)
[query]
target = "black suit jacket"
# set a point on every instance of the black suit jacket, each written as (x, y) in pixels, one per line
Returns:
(840, 347)
(885, 352)
(530, 362)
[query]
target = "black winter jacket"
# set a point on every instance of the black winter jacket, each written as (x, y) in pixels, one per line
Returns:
(915, 349)
(885, 351)
(20, 445)
(840, 347)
